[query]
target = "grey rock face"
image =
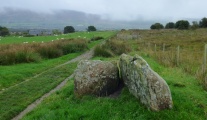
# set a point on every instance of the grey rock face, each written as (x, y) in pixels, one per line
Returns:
(144, 83)
(95, 77)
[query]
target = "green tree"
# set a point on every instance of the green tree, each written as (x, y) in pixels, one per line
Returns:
(195, 25)
(56, 32)
(91, 28)
(203, 23)
(170, 25)
(157, 26)
(4, 31)
(182, 24)
(69, 29)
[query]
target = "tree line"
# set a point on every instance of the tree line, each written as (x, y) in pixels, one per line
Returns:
(71, 29)
(181, 25)
(68, 29)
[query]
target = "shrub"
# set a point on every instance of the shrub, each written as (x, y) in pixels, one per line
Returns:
(96, 38)
(49, 52)
(182, 24)
(74, 46)
(203, 23)
(69, 29)
(102, 51)
(7, 57)
(4, 31)
(25, 53)
(91, 28)
(27, 57)
(157, 26)
(111, 48)
(170, 25)
(28, 35)
(118, 47)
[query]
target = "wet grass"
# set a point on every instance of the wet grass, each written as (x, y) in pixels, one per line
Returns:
(36, 39)
(13, 74)
(189, 97)
(16, 99)
(189, 101)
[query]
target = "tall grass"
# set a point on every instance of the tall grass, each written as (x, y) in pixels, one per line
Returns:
(111, 48)
(25, 53)
(162, 45)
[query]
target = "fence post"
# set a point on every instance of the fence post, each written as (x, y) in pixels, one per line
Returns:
(178, 55)
(204, 60)
(155, 48)
(163, 47)
(149, 45)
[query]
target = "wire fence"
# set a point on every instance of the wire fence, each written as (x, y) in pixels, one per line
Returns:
(190, 59)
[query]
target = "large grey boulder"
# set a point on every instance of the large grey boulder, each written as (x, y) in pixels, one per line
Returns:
(144, 83)
(95, 78)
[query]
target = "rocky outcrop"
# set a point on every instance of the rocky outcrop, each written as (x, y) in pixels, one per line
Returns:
(144, 83)
(95, 78)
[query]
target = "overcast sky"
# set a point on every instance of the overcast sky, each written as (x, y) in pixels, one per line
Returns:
(119, 9)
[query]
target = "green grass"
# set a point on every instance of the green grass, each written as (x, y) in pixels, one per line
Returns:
(16, 99)
(13, 74)
(189, 102)
(85, 35)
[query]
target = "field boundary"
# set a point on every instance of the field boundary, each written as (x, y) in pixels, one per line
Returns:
(86, 55)
(38, 101)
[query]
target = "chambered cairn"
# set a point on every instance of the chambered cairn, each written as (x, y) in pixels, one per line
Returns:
(95, 77)
(145, 84)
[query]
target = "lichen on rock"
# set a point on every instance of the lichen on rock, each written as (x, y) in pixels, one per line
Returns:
(144, 83)
(95, 77)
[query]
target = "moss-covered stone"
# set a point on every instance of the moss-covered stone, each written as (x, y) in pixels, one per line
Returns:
(144, 83)
(96, 78)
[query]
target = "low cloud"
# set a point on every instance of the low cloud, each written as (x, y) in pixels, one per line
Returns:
(125, 10)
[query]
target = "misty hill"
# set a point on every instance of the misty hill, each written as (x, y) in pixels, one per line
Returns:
(59, 19)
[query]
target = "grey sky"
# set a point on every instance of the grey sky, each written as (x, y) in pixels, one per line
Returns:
(119, 9)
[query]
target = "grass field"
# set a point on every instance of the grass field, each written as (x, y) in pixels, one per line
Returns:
(13, 74)
(162, 45)
(16, 98)
(189, 97)
(83, 35)
(189, 101)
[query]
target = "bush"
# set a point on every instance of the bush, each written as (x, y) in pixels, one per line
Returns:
(27, 57)
(118, 47)
(203, 23)
(91, 28)
(49, 52)
(111, 48)
(74, 46)
(28, 35)
(69, 29)
(7, 57)
(25, 53)
(170, 25)
(182, 24)
(157, 26)
(96, 38)
(102, 51)
(4, 31)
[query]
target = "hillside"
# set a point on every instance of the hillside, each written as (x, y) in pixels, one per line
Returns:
(59, 19)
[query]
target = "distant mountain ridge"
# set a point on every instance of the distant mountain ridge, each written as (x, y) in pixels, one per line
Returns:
(59, 19)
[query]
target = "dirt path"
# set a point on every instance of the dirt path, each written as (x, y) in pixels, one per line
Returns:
(86, 55)
(30, 107)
